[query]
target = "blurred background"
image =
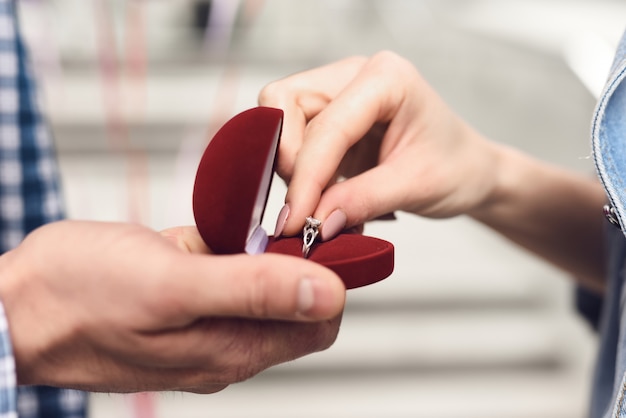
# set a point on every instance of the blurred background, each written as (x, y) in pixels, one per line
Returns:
(468, 325)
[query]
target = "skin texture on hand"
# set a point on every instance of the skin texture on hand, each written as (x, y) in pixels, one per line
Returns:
(120, 308)
(377, 118)
(378, 124)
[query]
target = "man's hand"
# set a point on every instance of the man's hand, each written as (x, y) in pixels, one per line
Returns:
(121, 308)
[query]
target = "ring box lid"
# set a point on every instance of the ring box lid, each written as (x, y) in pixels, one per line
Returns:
(230, 194)
(233, 181)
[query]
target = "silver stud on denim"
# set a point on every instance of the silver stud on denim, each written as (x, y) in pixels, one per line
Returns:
(611, 215)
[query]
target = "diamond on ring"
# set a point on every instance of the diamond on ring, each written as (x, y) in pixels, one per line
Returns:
(309, 234)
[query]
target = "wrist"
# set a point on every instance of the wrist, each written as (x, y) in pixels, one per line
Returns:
(504, 176)
(553, 212)
(482, 180)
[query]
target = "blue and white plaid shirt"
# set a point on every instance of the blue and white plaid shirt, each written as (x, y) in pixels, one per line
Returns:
(29, 198)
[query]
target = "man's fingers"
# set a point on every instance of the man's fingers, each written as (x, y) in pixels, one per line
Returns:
(268, 286)
(247, 346)
(186, 238)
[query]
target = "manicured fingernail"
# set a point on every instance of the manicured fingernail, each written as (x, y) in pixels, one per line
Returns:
(333, 225)
(281, 221)
(306, 296)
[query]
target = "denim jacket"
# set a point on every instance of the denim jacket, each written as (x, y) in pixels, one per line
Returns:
(609, 149)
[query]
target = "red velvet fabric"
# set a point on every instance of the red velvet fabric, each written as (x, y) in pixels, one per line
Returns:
(359, 260)
(229, 176)
(225, 192)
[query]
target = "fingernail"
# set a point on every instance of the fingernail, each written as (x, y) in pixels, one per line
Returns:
(281, 221)
(306, 296)
(333, 225)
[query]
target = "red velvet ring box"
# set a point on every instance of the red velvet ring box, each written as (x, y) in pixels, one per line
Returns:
(231, 190)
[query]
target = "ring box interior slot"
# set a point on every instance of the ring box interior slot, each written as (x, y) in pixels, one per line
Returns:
(230, 194)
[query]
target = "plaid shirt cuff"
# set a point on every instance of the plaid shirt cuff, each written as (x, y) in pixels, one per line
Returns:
(8, 382)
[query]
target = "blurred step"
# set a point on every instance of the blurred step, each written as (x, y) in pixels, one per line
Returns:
(442, 343)
(473, 395)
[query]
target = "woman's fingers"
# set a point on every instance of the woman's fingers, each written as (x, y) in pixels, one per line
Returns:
(301, 97)
(372, 96)
(368, 196)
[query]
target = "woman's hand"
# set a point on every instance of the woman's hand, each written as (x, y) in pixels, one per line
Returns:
(377, 123)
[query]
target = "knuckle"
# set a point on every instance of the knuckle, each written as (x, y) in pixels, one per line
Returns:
(233, 352)
(259, 285)
(312, 338)
(356, 60)
(331, 127)
(245, 358)
(243, 372)
(386, 57)
(249, 347)
(328, 333)
(390, 63)
(270, 92)
(286, 161)
(235, 373)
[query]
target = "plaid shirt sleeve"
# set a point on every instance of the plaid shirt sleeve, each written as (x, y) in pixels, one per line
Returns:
(29, 198)
(8, 395)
